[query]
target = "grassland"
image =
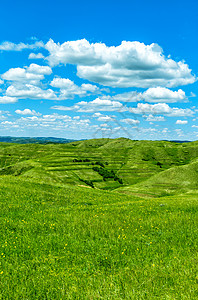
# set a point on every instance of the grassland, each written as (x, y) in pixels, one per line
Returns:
(133, 162)
(62, 239)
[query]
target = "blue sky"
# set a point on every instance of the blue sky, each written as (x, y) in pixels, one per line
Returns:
(99, 69)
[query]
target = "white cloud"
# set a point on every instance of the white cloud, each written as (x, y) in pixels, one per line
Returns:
(165, 130)
(37, 69)
(64, 108)
(105, 119)
(32, 74)
(96, 115)
(72, 52)
(26, 81)
(145, 108)
(9, 46)
(158, 94)
(181, 112)
(7, 123)
(161, 94)
(130, 121)
(27, 111)
(93, 106)
(179, 132)
(152, 118)
(125, 97)
(20, 75)
(63, 83)
(51, 122)
(7, 100)
(31, 92)
(131, 64)
(160, 108)
(102, 105)
(68, 89)
(148, 129)
(89, 88)
(1, 81)
(180, 122)
(36, 56)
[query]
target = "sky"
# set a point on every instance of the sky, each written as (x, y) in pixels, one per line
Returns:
(92, 69)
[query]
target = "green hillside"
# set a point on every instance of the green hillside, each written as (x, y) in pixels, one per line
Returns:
(99, 219)
(175, 180)
(101, 163)
(66, 242)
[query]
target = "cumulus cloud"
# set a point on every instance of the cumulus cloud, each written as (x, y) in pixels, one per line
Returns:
(89, 88)
(152, 118)
(26, 81)
(131, 64)
(50, 122)
(96, 115)
(37, 69)
(160, 108)
(68, 89)
(1, 81)
(27, 111)
(21, 75)
(161, 94)
(63, 83)
(7, 100)
(32, 74)
(105, 119)
(130, 121)
(165, 130)
(99, 105)
(31, 92)
(94, 106)
(180, 122)
(64, 108)
(158, 94)
(9, 46)
(148, 130)
(124, 97)
(36, 56)
(145, 108)
(181, 112)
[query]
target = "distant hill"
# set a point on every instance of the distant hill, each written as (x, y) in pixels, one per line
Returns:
(34, 140)
(145, 168)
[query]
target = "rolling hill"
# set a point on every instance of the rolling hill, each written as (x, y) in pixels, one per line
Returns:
(120, 164)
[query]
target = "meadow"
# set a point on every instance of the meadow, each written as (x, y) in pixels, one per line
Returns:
(63, 239)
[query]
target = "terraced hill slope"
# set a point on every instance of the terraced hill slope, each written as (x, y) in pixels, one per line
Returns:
(175, 180)
(120, 164)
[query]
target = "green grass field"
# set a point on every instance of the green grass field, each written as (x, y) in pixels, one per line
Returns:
(62, 239)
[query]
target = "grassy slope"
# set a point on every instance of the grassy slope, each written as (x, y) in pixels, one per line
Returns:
(175, 180)
(64, 242)
(132, 161)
